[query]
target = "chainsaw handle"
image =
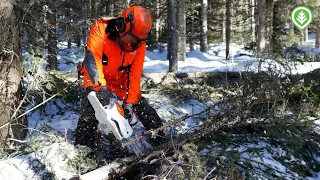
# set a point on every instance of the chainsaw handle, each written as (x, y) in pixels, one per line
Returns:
(102, 94)
(127, 111)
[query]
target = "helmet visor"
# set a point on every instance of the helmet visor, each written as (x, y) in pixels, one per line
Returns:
(129, 42)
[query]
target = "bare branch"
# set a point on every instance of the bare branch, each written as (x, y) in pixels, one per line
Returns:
(214, 168)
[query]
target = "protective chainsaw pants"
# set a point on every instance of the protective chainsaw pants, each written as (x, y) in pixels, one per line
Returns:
(147, 114)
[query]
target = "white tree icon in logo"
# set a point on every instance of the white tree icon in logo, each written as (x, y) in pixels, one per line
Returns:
(301, 17)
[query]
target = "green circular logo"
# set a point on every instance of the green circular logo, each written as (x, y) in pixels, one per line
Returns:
(301, 17)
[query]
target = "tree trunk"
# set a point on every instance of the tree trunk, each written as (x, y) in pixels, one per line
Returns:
(261, 43)
(181, 29)
(224, 20)
(52, 40)
(84, 36)
(291, 29)
(192, 34)
(69, 35)
(228, 27)
(77, 36)
(204, 26)
(269, 17)
(172, 39)
(110, 8)
(317, 36)
(253, 21)
(306, 34)
(10, 74)
(92, 8)
(277, 28)
(158, 21)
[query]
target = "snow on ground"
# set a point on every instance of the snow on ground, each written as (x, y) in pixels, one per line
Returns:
(58, 119)
(54, 123)
(52, 158)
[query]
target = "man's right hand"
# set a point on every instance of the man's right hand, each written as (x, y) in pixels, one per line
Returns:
(102, 92)
(97, 87)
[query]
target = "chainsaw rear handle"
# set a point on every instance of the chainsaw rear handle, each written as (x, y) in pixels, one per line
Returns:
(103, 94)
(127, 111)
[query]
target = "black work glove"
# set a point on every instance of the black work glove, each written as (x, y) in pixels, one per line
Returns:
(127, 111)
(102, 94)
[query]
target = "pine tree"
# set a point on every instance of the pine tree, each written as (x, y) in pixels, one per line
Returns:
(204, 26)
(10, 74)
(181, 29)
(52, 37)
(228, 27)
(172, 40)
(261, 42)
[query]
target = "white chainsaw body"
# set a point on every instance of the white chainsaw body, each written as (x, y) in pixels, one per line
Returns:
(110, 118)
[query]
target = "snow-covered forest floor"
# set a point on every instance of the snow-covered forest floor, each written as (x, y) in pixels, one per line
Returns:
(284, 149)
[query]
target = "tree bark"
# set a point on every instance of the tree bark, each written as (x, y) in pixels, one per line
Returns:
(317, 36)
(158, 21)
(77, 36)
(291, 29)
(181, 29)
(92, 8)
(306, 34)
(10, 73)
(69, 35)
(224, 21)
(277, 28)
(204, 26)
(269, 30)
(261, 44)
(253, 21)
(52, 39)
(110, 7)
(192, 34)
(228, 27)
(172, 39)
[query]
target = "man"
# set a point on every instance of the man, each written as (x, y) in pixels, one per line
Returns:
(114, 62)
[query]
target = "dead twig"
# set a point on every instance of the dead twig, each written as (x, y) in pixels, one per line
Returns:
(165, 177)
(17, 140)
(150, 176)
(17, 109)
(214, 168)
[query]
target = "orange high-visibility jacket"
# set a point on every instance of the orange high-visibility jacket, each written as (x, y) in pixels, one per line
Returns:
(107, 65)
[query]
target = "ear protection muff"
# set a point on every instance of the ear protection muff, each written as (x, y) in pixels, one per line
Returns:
(121, 23)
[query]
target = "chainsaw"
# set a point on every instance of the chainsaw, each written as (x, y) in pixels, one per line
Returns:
(111, 120)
